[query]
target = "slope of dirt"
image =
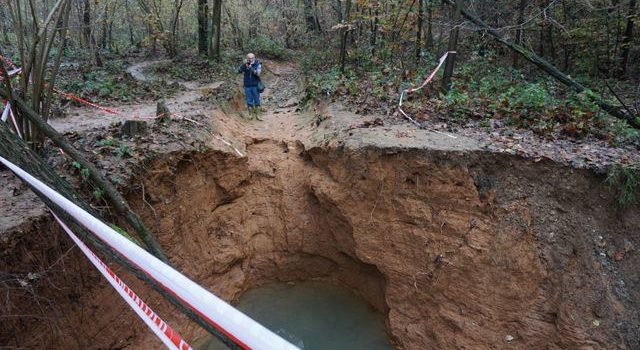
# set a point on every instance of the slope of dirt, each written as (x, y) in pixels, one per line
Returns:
(460, 247)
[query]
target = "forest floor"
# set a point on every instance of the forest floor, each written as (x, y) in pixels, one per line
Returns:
(216, 124)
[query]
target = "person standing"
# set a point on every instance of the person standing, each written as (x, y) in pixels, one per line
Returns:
(251, 69)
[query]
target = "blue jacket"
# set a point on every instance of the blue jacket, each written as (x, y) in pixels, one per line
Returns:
(251, 74)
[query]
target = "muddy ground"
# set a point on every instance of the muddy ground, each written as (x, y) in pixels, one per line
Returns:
(463, 239)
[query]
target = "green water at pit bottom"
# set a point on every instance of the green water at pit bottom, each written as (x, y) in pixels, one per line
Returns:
(313, 316)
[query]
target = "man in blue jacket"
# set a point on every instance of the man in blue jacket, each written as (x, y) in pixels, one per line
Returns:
(252, 69)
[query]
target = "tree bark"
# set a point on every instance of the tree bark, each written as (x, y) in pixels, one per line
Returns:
(344, 34)
(203, 26)
(309, 16)
(419, 31)
(453, 44)
(429, 43)
(96, 59)
(627, 38)
(520, 22)
(214, 49)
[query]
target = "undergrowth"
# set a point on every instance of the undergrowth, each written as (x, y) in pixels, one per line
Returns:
(111, 82)
(624, 181)
(484, 94)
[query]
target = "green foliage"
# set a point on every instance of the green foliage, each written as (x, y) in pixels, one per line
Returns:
(323, 83)
(108, 142)
(98, 193)
(266, 47)
(124, 233)
(110, 82)
(624, 181)
(84, 172)
(119, 149)
(123, 151)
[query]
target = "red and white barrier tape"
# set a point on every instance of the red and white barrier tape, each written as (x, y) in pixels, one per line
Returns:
(8, 62)
(161, 329)
(424, 83)
(245, 332)
(15, 123)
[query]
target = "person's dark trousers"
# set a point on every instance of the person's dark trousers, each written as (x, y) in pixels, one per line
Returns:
(252, 96)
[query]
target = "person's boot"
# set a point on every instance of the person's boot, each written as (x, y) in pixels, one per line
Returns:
(258, 113)
(250, 113)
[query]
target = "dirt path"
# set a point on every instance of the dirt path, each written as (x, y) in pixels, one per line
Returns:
(186, 102)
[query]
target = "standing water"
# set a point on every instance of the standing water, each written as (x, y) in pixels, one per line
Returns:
(314, 316)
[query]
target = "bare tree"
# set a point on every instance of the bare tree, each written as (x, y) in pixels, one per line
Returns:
(628, 37)
(453, 45)
(214, 48)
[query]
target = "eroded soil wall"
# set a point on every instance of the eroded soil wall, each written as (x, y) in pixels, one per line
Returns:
(460, 250)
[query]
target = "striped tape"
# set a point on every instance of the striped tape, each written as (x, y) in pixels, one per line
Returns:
(245, 332)
(161, 329)
(424, 83)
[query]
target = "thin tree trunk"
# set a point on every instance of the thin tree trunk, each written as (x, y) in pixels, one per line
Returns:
(453, 44)
(89, 37)
(309, 15)
(520, 22)
(374, 33)
(5, 26)
(173, 40)
(203, 26)
(429, 43)
(627, 38)
(127, 8)
(344, 36)
(214, 49)
(419, 31)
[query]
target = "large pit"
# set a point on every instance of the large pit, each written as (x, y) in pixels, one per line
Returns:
(457, 249)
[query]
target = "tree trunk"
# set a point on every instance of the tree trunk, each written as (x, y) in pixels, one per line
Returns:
(429, 43)
(173, 39)
(105, 17)
(374, 33)
(5, 26)
(344, 36)
(88, 35)
(453, 44)
(127, 6)
(203, 26)
(520, 22)
(550, 69)
(309, 17)
(419, 31)
(214, 49)
(627, 38)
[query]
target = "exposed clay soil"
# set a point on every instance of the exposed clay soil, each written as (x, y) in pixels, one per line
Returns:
(461, 247)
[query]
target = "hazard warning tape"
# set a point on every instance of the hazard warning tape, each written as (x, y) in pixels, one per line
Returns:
(85, 102)
(242, 330)
(424, 83)
(160, 328)
(8, 62)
